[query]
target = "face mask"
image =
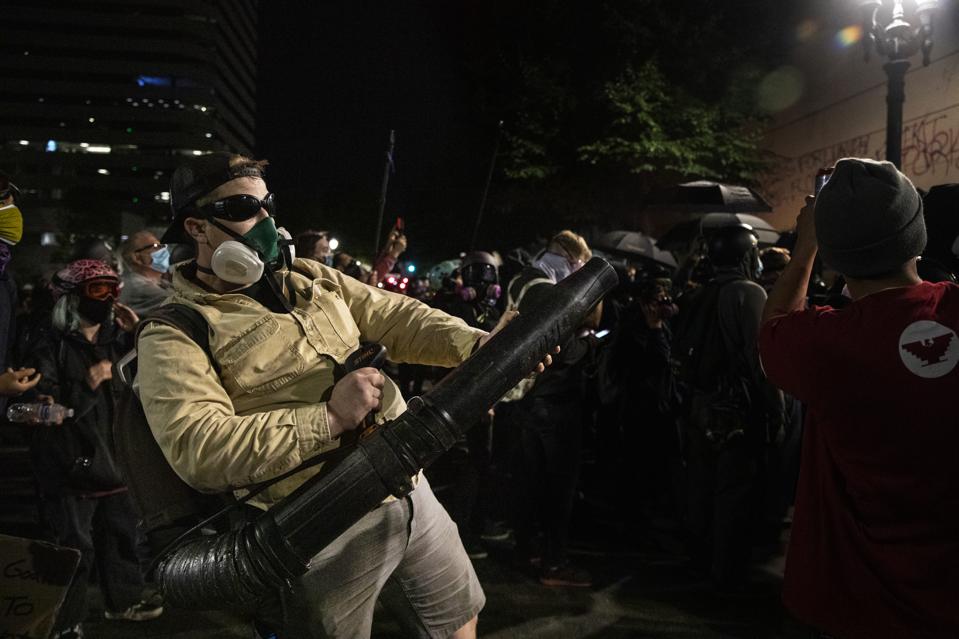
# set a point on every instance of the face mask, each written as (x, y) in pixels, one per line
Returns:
(239, 262)
(95, 311)
(160, 260)
(556, 267)
(236, 263)
(264, 238)
(11, 225)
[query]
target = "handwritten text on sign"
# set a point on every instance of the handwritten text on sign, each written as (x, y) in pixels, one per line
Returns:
(34, 577)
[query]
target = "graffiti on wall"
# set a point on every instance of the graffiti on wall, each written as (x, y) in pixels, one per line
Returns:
(930, 155)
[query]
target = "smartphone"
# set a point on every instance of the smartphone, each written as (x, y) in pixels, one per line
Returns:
(822, 176)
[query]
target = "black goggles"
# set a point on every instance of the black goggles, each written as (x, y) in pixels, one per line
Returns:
(238, 208)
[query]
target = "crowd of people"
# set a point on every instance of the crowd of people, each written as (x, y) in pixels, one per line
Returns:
(752, 387)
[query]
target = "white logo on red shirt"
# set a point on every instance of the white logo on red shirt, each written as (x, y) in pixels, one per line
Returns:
(929, 349)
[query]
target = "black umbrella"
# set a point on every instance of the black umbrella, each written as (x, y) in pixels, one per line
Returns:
(682, 235)
(634, 245)
(703, 196)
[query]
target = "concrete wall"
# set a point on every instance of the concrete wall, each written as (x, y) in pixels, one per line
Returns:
(841, 106)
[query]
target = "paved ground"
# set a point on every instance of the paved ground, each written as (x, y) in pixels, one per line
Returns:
(643, 589)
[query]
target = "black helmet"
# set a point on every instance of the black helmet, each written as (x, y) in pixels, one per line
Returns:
(478, 268)
(729, 245)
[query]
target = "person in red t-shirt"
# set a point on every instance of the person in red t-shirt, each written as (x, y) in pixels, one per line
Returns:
(874, 551)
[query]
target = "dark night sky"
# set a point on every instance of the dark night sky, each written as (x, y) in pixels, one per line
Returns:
(334, 78)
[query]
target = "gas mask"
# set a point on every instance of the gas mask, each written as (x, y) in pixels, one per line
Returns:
(484, 292)
(244, 259)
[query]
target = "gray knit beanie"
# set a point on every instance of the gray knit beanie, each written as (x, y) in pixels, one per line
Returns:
(868, 219)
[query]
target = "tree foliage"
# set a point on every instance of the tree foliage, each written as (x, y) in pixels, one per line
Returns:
(640, 89)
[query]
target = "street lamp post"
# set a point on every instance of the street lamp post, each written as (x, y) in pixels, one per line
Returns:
(898, 41)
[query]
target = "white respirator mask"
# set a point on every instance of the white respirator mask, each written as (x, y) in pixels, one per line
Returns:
(236, 263)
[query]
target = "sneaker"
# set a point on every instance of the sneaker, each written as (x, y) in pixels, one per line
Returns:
(565, 576)
(76, 632)
(142, 611)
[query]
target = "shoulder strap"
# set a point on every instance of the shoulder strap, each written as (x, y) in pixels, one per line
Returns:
(188, 320)
(512, 304)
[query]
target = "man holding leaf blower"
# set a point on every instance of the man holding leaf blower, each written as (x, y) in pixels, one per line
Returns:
(272, 394)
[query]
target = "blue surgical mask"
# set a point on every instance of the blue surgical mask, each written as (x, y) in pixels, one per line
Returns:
(556, 267)
(160, 260)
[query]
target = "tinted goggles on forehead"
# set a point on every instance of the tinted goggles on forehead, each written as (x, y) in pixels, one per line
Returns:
(238, 208)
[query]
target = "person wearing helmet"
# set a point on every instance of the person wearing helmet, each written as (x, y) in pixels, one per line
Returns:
(731, 414)
(473, 300)
(83, 497)
(280, 330)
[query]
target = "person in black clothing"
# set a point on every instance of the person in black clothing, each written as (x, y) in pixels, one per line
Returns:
(940, 259)
(648, 459)
(83, 497)
(468, 498)
(549, 419)
(731, 412)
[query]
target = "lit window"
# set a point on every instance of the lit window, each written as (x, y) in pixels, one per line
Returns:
(197, 152)
(84, 145)
(155, 81)
(24, 142)
(103, 171)
(163, 196)
(91, 120)
(209, 135)
(99, 149)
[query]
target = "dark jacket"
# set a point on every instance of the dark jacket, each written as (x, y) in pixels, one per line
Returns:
(77, 457)
(8, 309)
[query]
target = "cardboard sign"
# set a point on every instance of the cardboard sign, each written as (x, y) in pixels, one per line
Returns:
(34, 578)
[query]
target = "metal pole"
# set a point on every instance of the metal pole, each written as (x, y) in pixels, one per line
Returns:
(489, 178)
(896, 72)
(387, 167)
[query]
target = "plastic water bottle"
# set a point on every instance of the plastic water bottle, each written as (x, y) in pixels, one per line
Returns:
(38, 413)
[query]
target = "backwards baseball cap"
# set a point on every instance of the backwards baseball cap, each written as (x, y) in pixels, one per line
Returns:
(868, 219)
(196, 178)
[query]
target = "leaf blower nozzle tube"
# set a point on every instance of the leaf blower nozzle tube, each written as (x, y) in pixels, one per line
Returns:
(243, 566)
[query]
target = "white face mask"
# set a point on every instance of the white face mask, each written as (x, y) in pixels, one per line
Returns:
(236, 263)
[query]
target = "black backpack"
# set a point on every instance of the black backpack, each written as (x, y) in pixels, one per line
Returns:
(698, 350)
(169, 509)
(167, 505)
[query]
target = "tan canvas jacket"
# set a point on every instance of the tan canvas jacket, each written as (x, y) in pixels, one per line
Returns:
(264, 415)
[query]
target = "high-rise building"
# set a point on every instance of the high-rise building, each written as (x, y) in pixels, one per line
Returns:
(100, 100)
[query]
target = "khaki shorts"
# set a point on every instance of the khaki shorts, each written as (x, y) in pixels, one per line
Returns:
(407, 553)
